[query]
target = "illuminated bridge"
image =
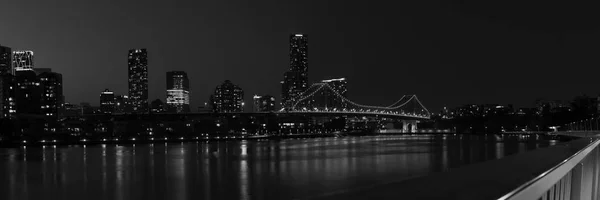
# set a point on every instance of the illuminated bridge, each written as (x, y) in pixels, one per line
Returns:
(322, 98)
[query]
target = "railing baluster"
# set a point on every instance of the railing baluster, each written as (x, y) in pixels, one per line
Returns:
(587, 178)
(594, 160)
(576, 182)
(551, 192)
(568, 186)
(561, 191)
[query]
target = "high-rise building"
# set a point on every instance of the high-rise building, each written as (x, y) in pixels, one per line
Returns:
(332, 97)
(339, 85)
(22, 61)
(295, 80)
(52, 93)
(122, 104)
(178, 92)
(28, 93)
(138, 80)
(227, 98)
(264, 103)
(107, 101)
(8, 104)
(5, 60)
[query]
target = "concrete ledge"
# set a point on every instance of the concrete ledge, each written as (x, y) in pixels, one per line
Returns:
(487, 180)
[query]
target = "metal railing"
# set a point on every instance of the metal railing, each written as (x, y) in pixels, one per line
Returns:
(583, 125)
(575, 178)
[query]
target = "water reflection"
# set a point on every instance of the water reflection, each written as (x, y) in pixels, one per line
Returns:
(284, 169)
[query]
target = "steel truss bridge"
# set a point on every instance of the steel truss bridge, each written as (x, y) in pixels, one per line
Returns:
(407, 107)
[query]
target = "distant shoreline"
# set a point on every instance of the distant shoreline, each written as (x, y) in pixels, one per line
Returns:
(77, 141)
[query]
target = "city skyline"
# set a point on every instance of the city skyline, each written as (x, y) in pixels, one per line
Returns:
(462, 56)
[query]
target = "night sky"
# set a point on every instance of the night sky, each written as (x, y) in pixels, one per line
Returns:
(449, 53)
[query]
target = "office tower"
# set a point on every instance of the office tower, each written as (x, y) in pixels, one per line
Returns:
(122, 104)
(264, 103)
(227, 98)
(5, 60)
(28, 92)
(107, 102)
(178, 92)
(295, 80)
(157, 106)
(52, 93)
(22, 61)
(335, 98)
(138, 80)
(8, 104)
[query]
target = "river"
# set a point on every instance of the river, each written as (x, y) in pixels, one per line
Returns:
(256, 169)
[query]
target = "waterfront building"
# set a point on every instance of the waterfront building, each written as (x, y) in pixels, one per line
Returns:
(107, 102)
(52, 97)
(178, 92)
(138, 80)
(227, 97)
(295, 80)
(22, 61)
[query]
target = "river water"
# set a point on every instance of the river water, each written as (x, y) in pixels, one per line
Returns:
(268, 169)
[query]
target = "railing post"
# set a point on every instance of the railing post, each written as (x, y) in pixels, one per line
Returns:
(577, 182)
(583, 179)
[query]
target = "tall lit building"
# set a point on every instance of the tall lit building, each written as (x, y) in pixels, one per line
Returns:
(107, 102)
(295, 81)
(8, 101)
(5, 60)
(227, 98)
(178, 92)
(264, 103)
(22, 61)
(333, 99)
(28, 93)
(122, 104)
(138, 80)
(52, 93)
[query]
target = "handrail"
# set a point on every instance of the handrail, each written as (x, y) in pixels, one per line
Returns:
(558, 176)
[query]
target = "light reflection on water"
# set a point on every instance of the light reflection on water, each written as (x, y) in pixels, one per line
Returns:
(283, 169)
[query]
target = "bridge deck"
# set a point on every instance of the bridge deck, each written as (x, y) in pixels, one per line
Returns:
(487, 180)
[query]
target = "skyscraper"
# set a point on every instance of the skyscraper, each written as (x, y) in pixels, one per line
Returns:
(5, 60)
(264, 103)
(227, 98)
(22, 61)
(107, 102)
(331, 99)
(8, 101)
(28, 93)
(122, 104)
(138, 80)
(178, 92)
(52, 93)
(295, 80)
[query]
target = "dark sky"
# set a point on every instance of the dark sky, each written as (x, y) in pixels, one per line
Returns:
(447, 52)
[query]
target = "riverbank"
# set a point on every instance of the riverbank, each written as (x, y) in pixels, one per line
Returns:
(149, 140)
